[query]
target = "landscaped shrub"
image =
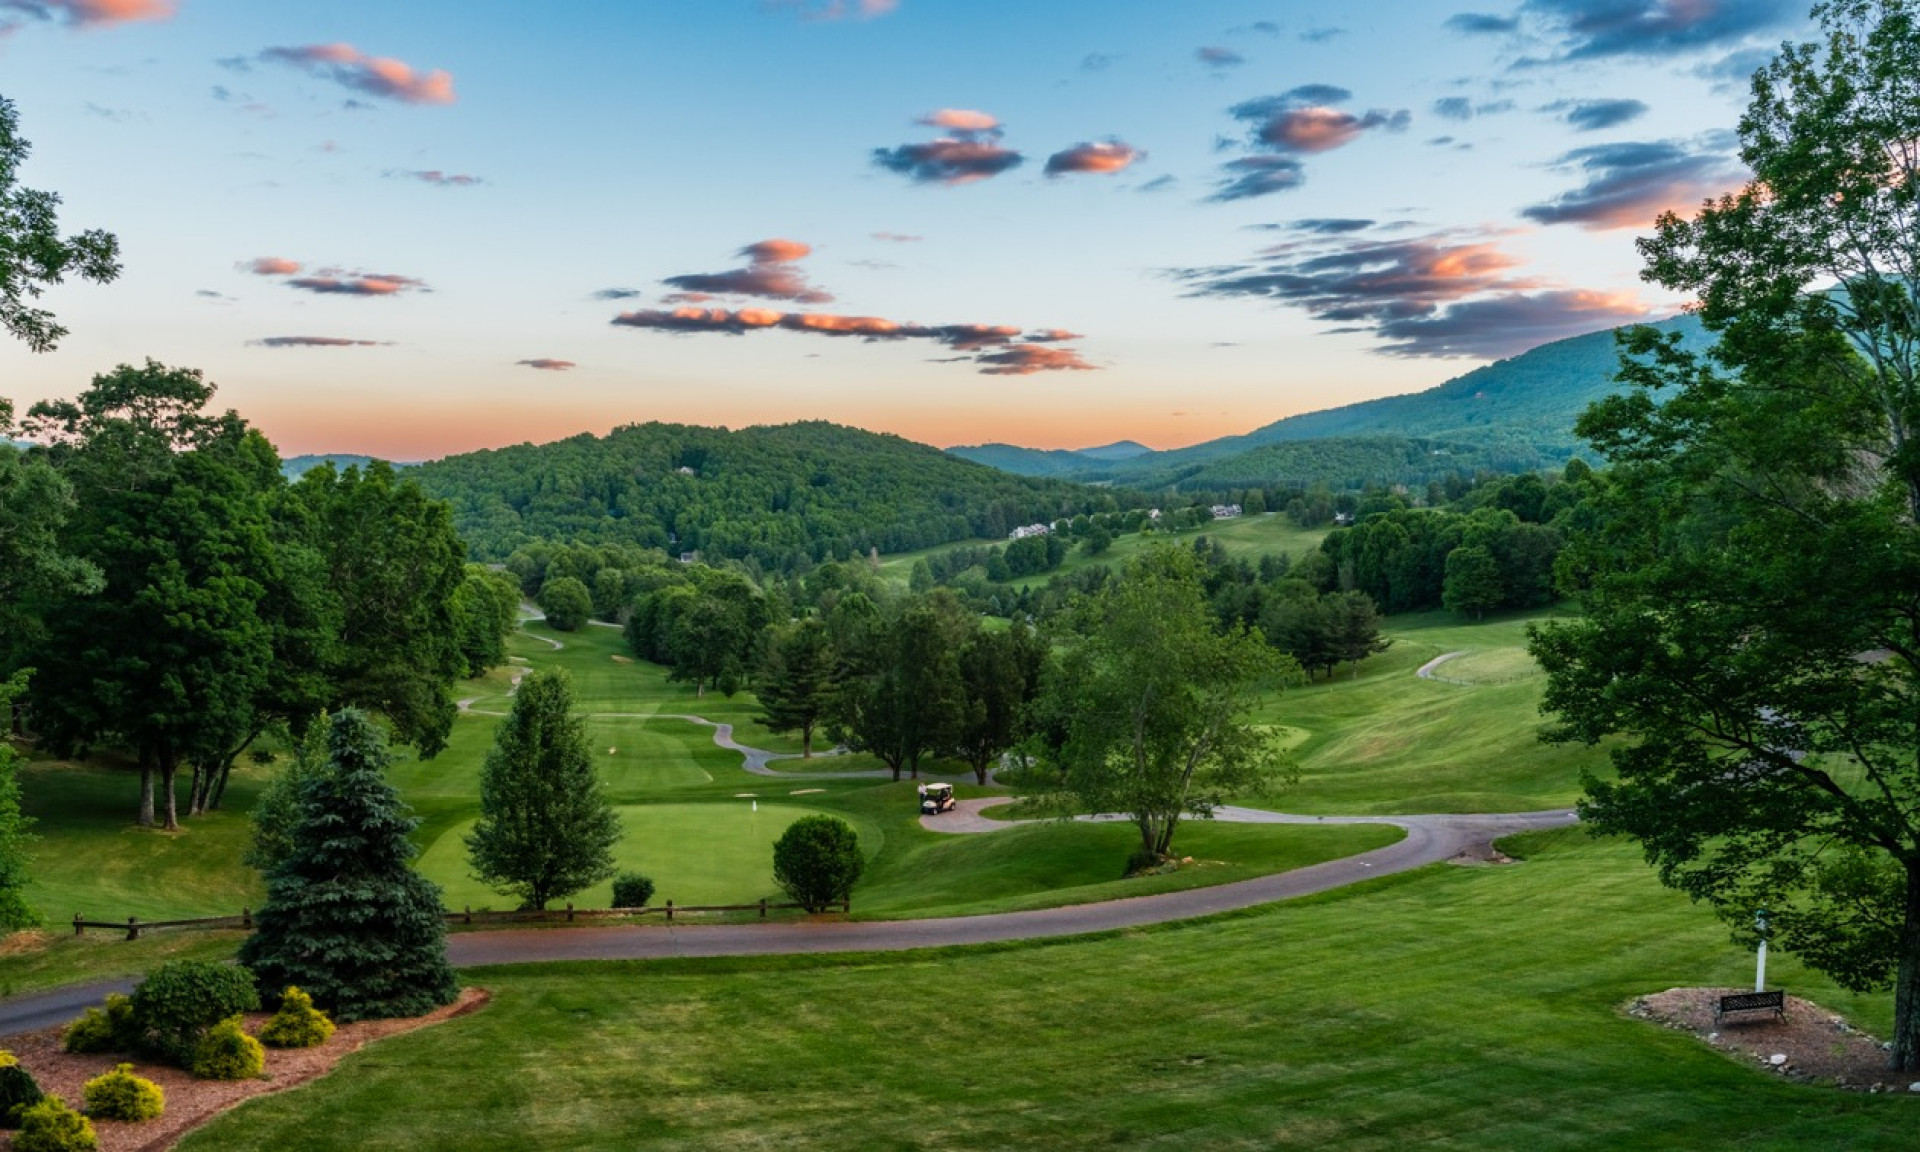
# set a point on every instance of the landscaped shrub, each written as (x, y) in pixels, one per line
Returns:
(298, 1024)
(112, 1029)
(18, 1091)
(817, 860)
(120, 1095)
(632, 890)
(51, 1126)
(180, 1000)
(228, 1053)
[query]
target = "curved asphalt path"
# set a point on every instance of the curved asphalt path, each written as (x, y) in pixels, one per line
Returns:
(1429, 840)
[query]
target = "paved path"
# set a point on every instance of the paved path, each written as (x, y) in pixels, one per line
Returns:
(1425, 671)
(1429, 840)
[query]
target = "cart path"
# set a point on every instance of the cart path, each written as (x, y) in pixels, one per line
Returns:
(1425, 671)
(1429, 840)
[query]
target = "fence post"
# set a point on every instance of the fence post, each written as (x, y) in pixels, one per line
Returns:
(77, 930)
(846, 904)
(669, 911)
(469, 914)
(763, 907)
(133, 928)
(246, 917)
(569, 911)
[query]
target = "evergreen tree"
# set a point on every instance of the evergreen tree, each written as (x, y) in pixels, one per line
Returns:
(347, 919)
(546, 829)
(797, 681)
(1355, 624)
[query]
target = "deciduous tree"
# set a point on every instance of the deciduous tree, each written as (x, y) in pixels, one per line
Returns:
(1751, 637)
(32, 252)
(546, 829)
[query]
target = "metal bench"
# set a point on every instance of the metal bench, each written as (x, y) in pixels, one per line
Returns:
(1774, 1002)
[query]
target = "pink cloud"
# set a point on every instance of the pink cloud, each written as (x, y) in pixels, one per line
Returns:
(333, 283)
(995, 346)
(272, 266)
(91, 13)
(771, 273)
(546, 364)
(374, 75)
(1105, 157)
(438, 178)
(962, 120)
(837, 9)
(316, 342)
(1027, 359)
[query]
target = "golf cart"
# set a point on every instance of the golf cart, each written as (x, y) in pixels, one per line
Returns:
(935, 799)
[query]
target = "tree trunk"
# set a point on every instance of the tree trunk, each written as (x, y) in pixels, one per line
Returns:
(146, 792)
(167, 772)
(806, 742)
(226, 770)
(980, 771)
(1906, 989)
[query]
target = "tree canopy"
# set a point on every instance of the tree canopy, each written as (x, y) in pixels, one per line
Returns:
(1751, 636)
(33, 254)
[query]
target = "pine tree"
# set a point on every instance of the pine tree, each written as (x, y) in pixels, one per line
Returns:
(546, 829)
(797, 681)
(347, 919)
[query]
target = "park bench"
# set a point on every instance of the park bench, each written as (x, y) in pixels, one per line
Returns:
(1774, 1002)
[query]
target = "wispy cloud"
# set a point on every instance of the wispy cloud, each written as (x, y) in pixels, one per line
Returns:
(548, 365)
(1216, 57)
(91, 13)
(1629, 184)
(1462, 108)
(316, 342)
(271, 266)
(435, 177)
(999, 349)
(1483, 24)
(835, 9)
(1599, 29)
(1596, 115)
(971, 151)
(1300, 121)
(1108, 156)
(771, 273)
(331, 282)
(371, 75)
(897, 237)
(617, 294)
(1443, 294)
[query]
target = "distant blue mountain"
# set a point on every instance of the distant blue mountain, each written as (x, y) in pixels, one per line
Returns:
(1049, 461)
(295, 467)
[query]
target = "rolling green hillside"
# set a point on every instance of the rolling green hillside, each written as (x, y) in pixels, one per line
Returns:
(1049, 461)
(1511, 415)
(781, 495)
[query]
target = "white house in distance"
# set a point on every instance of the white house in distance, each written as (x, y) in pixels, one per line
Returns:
(1225, 511)
(1025, 531)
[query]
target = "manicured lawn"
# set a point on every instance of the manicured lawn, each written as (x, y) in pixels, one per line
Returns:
(718, 853)
(1449, 1008)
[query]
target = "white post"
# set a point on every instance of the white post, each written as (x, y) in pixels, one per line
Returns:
(1760, 963)
(756, 808)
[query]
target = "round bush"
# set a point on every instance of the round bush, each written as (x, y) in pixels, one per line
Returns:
(120, 1095)
(817, 861)
(298, 1024)
(226, 1052)
(567, 603)
(180, 1000)
(18, 1091)
(112, 1029)
(51, 1126)
(632, 890)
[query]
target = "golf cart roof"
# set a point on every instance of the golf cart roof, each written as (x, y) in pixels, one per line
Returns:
(936, 787)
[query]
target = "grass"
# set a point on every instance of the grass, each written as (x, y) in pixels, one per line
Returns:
(1447, 1008)
(1386, 741)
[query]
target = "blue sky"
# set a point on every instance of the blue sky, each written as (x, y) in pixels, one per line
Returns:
(419, 228)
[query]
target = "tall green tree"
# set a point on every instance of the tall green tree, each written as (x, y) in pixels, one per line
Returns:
(546, 829)
(32, 252)
(168, 658)
(901, 695)
(347, 919)
(567, 603)
(1153, 704)
(16, 836)
(1354, 623)
(1473, 581)
(798, 681)
(999, 678)
(1751, 636)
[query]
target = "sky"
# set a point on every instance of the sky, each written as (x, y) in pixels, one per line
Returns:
(423, 228)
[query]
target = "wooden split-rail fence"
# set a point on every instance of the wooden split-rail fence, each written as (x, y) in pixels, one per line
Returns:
(133, 925)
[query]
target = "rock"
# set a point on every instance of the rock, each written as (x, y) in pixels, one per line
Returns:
(1914, 1087)
(1713, 1037)
(1777, 1059)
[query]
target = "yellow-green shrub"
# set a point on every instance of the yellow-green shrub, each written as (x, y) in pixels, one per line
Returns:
(110, 1030)
(298, 1024)
(226, 1052)
(120, 1095)
(51, 1126)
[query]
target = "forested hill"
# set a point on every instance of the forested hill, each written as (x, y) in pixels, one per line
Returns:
(1511, 415)
(780, 494)
(1049, 461)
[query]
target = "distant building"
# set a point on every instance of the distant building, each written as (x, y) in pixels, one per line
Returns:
(689, 557)
(1153, 513)
(684, 470)
(1225, 511)
(1342, 519)
(1028, 530)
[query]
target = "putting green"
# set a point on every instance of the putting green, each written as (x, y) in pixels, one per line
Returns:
(696, 853)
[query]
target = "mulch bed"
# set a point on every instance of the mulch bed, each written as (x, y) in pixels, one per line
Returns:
(1811, 1044)
(191, 1102)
